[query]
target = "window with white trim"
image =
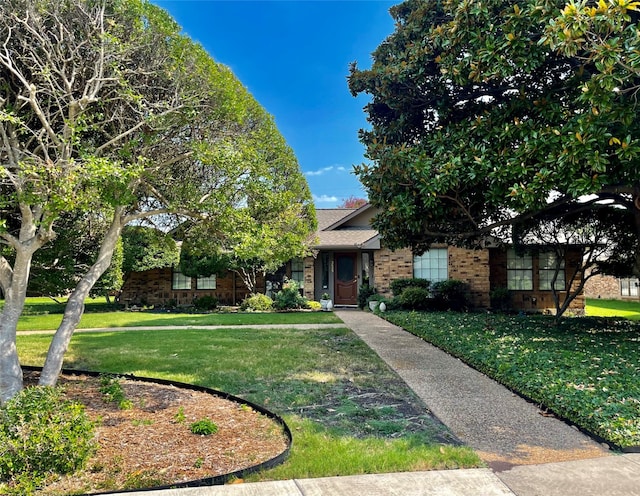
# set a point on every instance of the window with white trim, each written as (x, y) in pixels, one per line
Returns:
(519, 271)
(628, 287)
(208, 282)
(180, 281)
(297, 271)
(432, 265)
(550, 263)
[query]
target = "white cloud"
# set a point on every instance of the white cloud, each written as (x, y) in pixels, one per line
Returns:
(319, 172)
(324, 199)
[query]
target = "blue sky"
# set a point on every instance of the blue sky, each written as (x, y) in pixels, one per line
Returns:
(294, 56)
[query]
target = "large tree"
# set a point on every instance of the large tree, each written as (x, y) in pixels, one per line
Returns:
(59, 265)
(602, 240)
(106, 107)
(479, 121)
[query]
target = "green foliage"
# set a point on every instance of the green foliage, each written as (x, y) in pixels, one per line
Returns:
(364, 292)
(180, 417)
(41, 434)
(483, 111)
(257, 303)
(141, 127)
(289, 298)
(500, 299)
(415, 298)
(113, 392)
(376, 297)
(205, 303)
(204, 427)
(451, 294)
(146, 248)
(57, 267)
(399, 285)
(584, 369)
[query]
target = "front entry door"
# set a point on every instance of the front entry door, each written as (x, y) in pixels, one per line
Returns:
(346, 279)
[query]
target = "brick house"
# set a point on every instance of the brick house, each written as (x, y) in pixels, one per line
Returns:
(612, 288)
(347, 252)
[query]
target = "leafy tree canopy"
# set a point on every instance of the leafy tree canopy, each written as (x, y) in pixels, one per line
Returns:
(106, 107)
(486, 114)
(146, 248)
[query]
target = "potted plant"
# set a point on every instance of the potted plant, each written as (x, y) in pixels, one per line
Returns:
(374, 300)
(325, 300)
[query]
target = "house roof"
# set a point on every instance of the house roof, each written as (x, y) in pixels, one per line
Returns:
(346, 228)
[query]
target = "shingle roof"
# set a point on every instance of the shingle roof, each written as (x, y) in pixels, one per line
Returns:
(332, 233)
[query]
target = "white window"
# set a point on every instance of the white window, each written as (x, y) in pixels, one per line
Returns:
(519, 271)
(432, 265)
(208, 282)
(550, 262)
(297, 271)
(180, 281)
(629, 287)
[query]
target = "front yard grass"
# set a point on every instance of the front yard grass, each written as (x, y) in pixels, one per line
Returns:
(45, 314)
(613, 308)
(585, 369)
(348, 411)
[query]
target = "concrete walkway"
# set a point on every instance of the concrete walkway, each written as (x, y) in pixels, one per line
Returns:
(528, 453)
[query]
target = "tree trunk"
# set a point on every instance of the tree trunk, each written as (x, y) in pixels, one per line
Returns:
(15, 294)
(75, 303)
(636, 216)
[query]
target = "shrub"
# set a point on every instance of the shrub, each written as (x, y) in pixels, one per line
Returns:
(289, 298)
(257, 303)
(205, 303)
(399, 285)
(451, 295)
(204, 427)
(314, 305)
(500, 299)
(363, 295)
(41, 433)
(112, 390)
(414, 298)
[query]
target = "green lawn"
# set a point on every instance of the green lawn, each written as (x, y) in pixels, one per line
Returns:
(348, 411)
(613, 308)
(45, 314)
(585, 369)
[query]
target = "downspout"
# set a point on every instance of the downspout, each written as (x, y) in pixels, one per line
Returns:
(233, 288)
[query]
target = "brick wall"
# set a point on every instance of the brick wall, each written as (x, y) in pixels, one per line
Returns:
(601, 286)
(390, 265)
(534, 300)
(608, 288)
(309, 278)
(472, 267)
(153, 287)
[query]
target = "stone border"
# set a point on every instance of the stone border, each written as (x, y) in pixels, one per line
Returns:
(208, 481)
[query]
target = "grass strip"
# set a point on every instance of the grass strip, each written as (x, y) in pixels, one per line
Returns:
(613, 308)
(45, 314)
(332, 389)
(585, 369)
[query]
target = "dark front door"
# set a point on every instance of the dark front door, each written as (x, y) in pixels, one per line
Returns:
(346, 279)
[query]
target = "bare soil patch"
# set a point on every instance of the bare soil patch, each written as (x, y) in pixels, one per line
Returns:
(151, 443)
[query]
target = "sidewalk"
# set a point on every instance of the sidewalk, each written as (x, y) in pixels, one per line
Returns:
(528, 454)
